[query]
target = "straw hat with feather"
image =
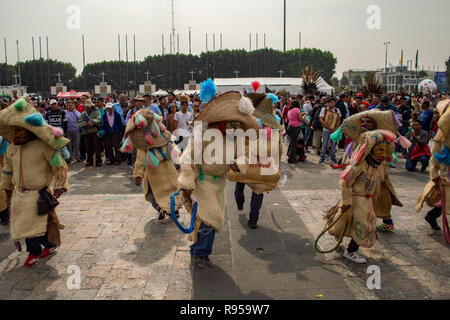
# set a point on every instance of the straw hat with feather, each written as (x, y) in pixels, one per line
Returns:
(351, 126)
(146, 130)
(264, 110)
(23, 114)
(444, 120)
(230, 106)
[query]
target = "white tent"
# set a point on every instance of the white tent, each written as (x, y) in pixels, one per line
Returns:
(324, 87)
(160, 93)
(186, 92)
(292, 85)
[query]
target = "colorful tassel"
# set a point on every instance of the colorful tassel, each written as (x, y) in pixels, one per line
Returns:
(56, 160)
(404, 142)
(273, 97)
(35, 119)
(255, 86)
(346, 175)
(127, 146)
(208, 90)
(148, 138)
(259, 121)
(154, 129)
(443, 157)
(140, 121)
(268, 132)
(358, 154)
(20, 104)
(337, 135)
(150, 160)
(388, 135)
(57, 132)
(65, 153)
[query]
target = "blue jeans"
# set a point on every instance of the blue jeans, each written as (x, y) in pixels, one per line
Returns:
(411, 164)
(205, 241)
(255, 204)
(325, 138)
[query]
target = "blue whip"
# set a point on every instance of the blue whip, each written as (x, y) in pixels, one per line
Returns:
(175, 219)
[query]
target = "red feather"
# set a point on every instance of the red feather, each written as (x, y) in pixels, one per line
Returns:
(255, 85)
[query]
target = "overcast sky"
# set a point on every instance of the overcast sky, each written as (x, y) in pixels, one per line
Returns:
(338, 26)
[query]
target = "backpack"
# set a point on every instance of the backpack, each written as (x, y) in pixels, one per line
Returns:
(315, 115)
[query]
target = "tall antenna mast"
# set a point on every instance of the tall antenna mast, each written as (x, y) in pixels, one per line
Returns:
(172, 44)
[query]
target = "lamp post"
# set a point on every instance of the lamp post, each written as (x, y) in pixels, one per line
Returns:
(385, 63)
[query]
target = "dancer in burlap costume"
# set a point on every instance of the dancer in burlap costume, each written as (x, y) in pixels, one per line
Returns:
(260, 183)
(354, 215)
(439, 174)
(153, 167)
(203, 181)
(384, 195)
(32, 161)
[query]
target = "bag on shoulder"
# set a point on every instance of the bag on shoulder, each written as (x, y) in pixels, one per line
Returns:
(46, 202)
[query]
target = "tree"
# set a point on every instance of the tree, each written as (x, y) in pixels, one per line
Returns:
(344, 81)
(422, 74)
(172, 71)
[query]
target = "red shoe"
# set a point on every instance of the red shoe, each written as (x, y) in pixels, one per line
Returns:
(47, 251)
(32, 259)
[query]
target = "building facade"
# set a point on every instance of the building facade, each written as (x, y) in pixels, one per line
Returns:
(352, 74)
(396, 77)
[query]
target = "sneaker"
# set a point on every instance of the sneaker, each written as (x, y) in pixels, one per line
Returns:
(161, 214)
(252, 224)
(321, 160)
(47, 251)
(32, 259)
(392, 165)
(333, 160)
(354, 256)
(240, 207)
(207, 262)
(433, 224)
(385, 227)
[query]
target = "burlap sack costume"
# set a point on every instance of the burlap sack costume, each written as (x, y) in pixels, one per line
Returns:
(153, 165)
(358, 185)
(207, 180)
(29, 168)
(431, 195)
(384, 195)
(261, 181)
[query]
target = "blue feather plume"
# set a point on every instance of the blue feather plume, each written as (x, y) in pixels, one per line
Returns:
(273, 97)
(3, 147)
(208, 90)
(443, 157)
(35, 119)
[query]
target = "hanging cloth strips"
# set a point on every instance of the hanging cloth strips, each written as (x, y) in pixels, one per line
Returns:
(202, 178)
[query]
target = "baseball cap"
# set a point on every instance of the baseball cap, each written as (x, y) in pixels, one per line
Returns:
(53, 101)
(109, 105)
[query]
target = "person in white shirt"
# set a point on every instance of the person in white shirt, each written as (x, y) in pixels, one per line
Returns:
(183, 118)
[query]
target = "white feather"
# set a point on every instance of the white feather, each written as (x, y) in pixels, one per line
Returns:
(245, 106)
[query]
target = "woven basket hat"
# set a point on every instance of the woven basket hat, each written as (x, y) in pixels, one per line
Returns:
(351, 126)
(138, 130)
(444, 121)
(264, 110)
(23, 114)
(225, 107)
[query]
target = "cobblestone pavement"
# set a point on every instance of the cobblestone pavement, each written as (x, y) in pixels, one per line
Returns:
(123, 252)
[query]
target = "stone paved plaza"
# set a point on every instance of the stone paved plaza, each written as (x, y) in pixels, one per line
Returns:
(123, 252)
